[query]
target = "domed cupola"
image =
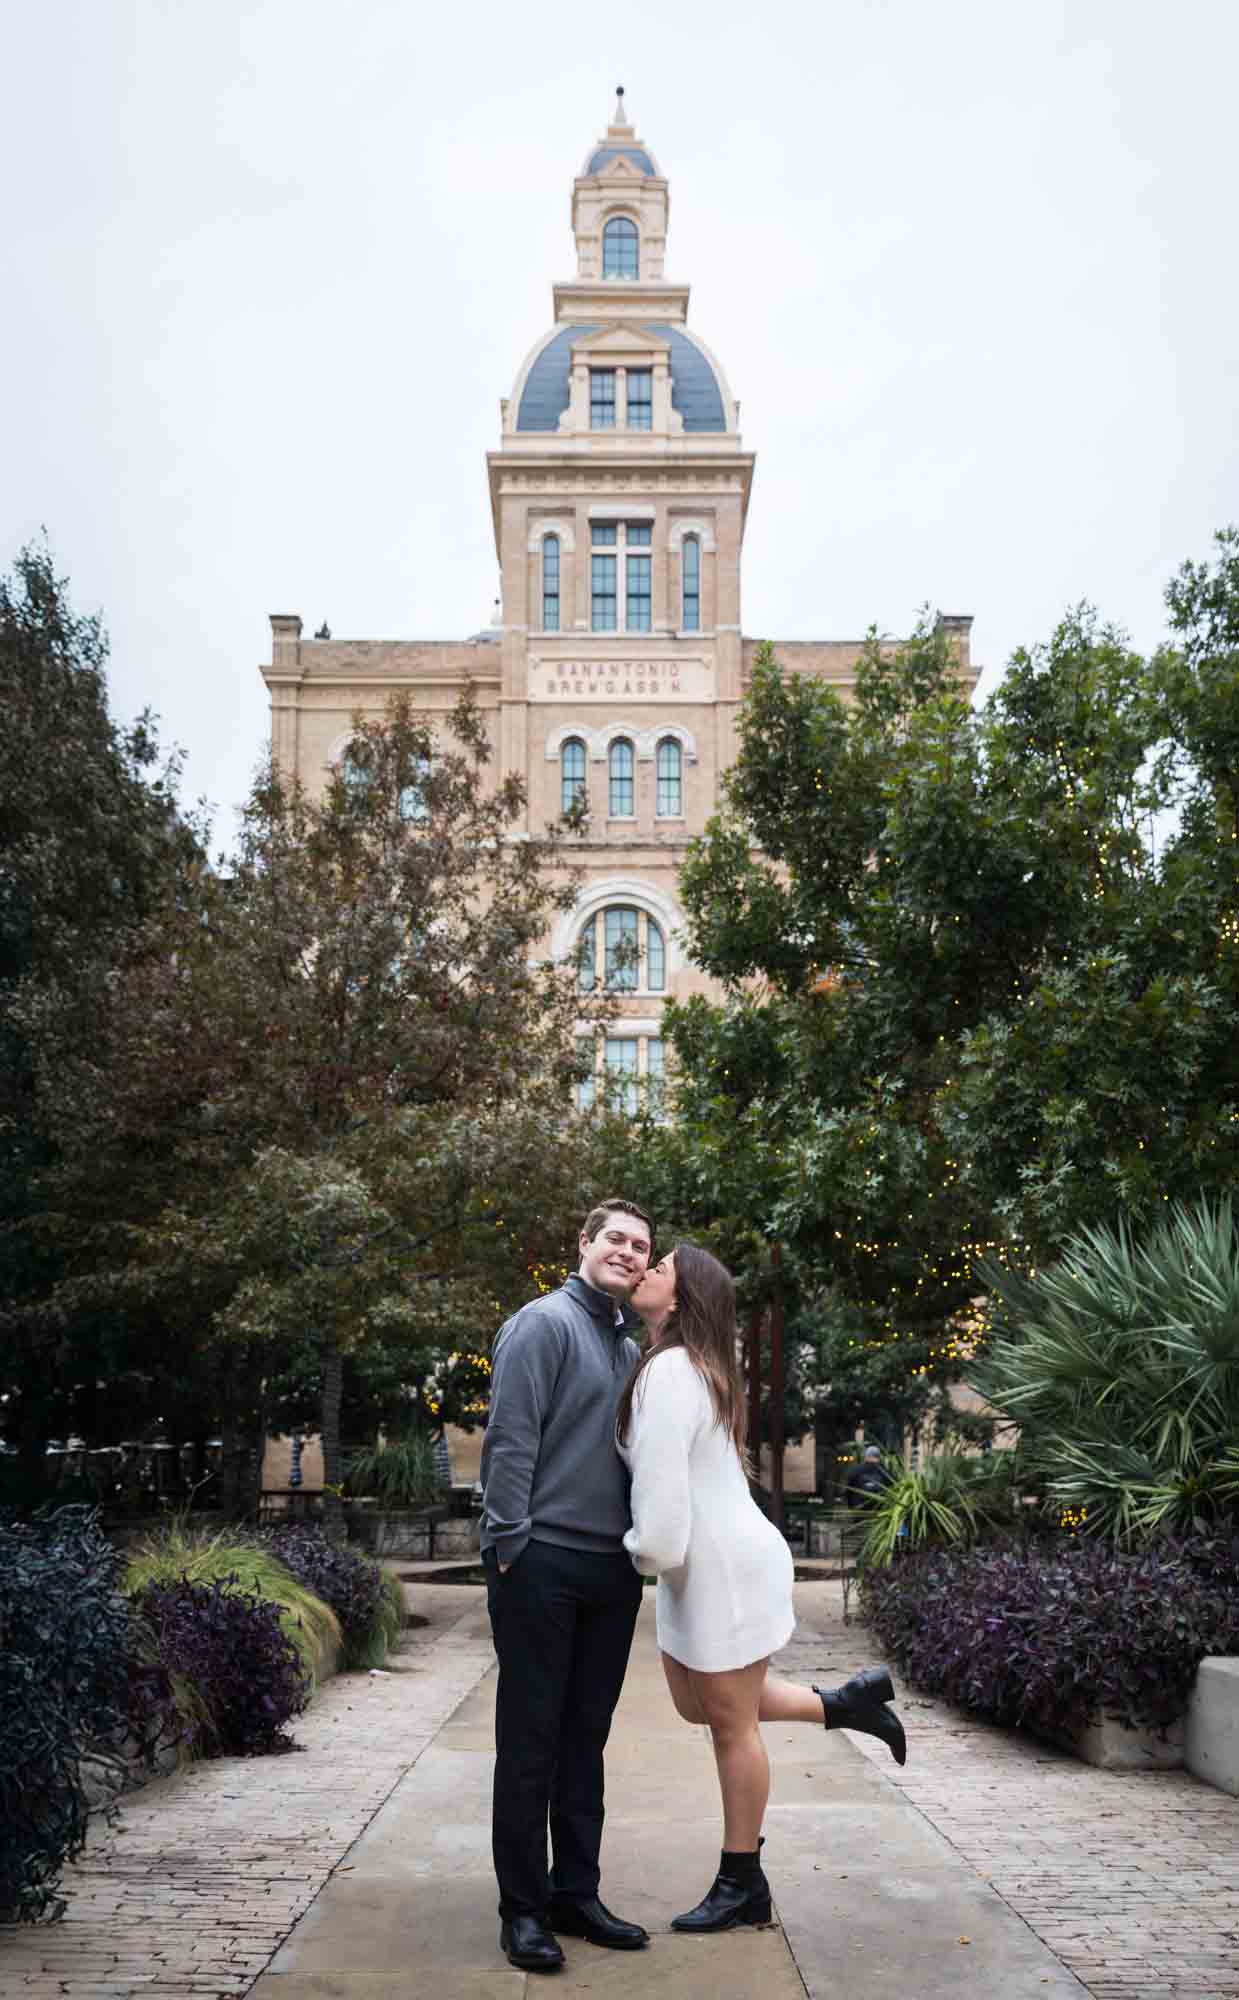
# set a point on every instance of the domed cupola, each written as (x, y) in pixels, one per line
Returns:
(619, 368)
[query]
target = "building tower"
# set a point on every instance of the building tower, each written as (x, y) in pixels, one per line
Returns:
(618, 493)
(615, 667)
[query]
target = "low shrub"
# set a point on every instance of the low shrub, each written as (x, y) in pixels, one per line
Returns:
(367, 1600)
(247, 1676)
(246, 1563)
(1053, 1637)
(64, 1633)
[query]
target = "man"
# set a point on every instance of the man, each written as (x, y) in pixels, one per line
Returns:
(562, 1593)
(866, 1480)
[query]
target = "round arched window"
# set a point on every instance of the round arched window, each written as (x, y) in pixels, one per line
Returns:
(571, 773)
(620, 249)
(630, 947)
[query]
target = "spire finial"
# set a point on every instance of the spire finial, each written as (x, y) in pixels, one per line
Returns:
(619, 118)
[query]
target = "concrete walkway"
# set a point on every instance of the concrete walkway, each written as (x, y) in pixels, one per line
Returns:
(869, 1896)
(987, 1867)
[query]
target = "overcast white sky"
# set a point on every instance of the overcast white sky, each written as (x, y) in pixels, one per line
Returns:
(267, 269)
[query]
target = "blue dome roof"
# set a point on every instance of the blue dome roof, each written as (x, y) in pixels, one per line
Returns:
(695, 390)
(605, 154)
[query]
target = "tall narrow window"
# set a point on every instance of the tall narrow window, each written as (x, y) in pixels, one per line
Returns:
(413, 803)
(620, 946)
(602, 399)
(621, 1063)
(637, 594)
(586, 960)
(550, 583)
(571, 774)
(619, 771)
(620, 247)
(640, 399)
(602, 602)
(655, 1078)
(670, 768)
(655, 958)
(690, 560)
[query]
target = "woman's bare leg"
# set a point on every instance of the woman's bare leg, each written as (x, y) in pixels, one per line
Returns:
(729, 1704)
(683, 1693)
(787, 1701)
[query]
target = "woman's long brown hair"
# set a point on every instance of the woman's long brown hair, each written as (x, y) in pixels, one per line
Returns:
(704, 1325)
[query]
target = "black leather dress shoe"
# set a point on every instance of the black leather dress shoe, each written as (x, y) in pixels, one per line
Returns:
(591, 1919)
(529, 1944)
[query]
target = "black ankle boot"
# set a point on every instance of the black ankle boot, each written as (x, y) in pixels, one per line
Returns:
(860, 1704)
(739, 1894)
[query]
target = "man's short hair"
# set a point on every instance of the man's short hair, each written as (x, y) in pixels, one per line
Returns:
(596, 1218)
(873, 1451)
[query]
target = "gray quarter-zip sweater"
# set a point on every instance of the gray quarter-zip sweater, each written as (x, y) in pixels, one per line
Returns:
(550, 1470)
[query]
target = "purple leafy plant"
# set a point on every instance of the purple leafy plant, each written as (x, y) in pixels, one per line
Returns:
(244, 1673)
(1054, 1637)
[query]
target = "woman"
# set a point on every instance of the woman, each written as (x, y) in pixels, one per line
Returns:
(724, 1572)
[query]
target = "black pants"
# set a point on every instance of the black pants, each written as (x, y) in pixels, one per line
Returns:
(563, 1622)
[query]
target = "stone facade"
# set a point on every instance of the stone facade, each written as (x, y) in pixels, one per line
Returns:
(619, 492)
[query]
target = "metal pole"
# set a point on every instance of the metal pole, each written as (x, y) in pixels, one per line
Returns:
(754, 1360)
(776, 1395)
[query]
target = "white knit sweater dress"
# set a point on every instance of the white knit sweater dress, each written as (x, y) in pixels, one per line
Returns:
(724, 1572)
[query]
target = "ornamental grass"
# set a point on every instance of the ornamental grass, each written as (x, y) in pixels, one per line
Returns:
(243, 1563)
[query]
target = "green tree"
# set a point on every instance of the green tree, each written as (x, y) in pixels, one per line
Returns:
(347, 1064)
(91, 839)
(805, 1101)
(976, 997)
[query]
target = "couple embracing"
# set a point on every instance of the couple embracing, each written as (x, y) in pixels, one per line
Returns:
(603, 1464)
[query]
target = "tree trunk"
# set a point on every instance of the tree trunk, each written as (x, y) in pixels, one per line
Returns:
(231, 1469)
(333, 1388)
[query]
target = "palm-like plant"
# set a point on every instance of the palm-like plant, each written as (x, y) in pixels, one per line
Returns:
(403, 1472)
(948, 1499)
(1120, 1364)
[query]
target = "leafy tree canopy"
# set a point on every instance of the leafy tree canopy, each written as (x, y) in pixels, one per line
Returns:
(977, 996)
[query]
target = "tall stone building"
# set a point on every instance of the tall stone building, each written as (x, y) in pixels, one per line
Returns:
(619, 492)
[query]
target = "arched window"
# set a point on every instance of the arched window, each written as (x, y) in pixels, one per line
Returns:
(690, 566)
(620, 803)
(670, 770)
(631, 947)
(571, 774)
(550, 583)
(620, 248)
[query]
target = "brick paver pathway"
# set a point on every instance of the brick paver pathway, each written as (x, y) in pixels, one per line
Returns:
(208, 1870)
(1131, 1878)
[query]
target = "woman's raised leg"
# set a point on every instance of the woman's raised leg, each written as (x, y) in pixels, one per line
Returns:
(683, 1694)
